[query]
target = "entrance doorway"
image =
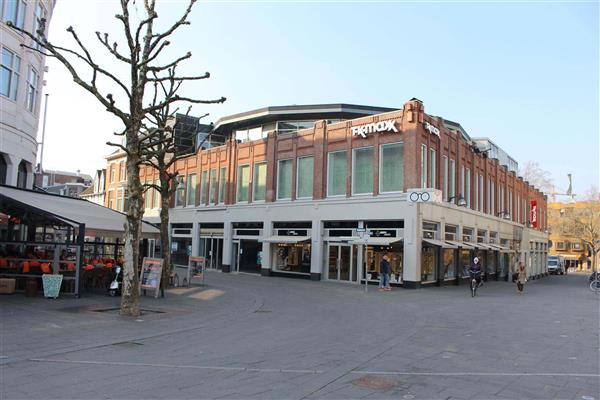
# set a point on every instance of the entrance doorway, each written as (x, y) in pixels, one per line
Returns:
(212, 250)
(341, 263)
(246, 257)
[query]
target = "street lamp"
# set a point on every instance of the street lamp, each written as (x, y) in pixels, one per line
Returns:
(461, 201)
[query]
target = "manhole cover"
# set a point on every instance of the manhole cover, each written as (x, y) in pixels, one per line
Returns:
(375, 382)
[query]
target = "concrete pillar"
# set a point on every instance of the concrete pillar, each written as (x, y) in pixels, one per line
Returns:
(411, 275)
(195, 239)
(265, 268)
(227, 245)
(316, 256)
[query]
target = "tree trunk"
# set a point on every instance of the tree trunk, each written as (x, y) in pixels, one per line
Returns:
(130, 299)
(164, 236)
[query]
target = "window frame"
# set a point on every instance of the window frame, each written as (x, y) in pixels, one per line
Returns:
(445, 173)
(14, 71)
(255, 181)
(433, 166)
(191, 188)
(222, 185)
(291, 160)
(238, 184)
(352, 186)
(298, 177)
(32, 91)
(329, 154)
(424, 166)
(381, 146)
(20, 13)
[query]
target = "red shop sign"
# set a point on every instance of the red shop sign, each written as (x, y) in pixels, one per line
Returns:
(534, 213)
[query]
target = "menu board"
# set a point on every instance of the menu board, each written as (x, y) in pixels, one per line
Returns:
(196, 266)
(151, 274)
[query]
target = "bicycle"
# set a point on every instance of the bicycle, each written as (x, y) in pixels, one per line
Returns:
(475, 282)
(595, 282)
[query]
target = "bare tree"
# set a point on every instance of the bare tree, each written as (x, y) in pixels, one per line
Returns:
(538, 177)
(140, 57)
(160, 152)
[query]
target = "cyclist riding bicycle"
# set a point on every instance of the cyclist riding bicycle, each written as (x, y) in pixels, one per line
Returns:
(475, 271)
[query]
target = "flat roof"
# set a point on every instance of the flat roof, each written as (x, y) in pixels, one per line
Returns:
(270, 113)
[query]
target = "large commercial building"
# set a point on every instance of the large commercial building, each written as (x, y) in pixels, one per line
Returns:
(21, 80)
(324, 191)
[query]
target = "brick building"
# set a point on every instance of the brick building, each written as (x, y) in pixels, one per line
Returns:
(322, 191)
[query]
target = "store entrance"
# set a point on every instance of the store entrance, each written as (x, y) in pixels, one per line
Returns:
(212, 250)
(249, 254)
(341, 265)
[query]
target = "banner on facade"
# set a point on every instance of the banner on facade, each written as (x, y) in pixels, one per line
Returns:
(534, 214)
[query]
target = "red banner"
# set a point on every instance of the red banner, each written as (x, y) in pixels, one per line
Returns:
(534, 214)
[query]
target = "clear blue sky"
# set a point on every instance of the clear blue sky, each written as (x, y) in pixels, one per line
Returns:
(524, 74)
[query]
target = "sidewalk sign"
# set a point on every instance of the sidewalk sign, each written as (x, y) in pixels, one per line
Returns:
(197, 265)
(150, 274)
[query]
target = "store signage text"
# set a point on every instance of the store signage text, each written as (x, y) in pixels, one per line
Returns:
(381, 126)
(432, 129)
(534, 213)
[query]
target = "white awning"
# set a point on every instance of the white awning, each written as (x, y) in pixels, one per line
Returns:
(484, 246)
(441, 243)
(463, 245)
(99, 221)
(378, 241)
(286, 239)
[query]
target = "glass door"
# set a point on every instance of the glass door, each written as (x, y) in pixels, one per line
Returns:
(235, 257)
(340, 265)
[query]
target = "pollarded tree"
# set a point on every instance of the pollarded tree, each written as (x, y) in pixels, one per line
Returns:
(160, 152)
(142, 51)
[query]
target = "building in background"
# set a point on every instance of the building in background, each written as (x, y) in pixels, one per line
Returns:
(563, 239)
(324, 191)
(21, 80)
(95, 193)
(116, 181)
(49, 178)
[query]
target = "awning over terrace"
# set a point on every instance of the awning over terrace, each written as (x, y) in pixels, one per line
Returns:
(99, 221)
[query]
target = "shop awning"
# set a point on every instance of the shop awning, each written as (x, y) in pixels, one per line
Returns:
(441, 243)
(463, 245)
(99, 221)
(499, 248)
(378, 241)
(484, 246)
(286, 239)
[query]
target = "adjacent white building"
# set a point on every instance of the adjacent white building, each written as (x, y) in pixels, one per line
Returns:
(21, 81)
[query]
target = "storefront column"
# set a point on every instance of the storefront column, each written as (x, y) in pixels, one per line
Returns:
(411, 275)
(195, 239)
(265, 267)
(316, 255)
(227, 245)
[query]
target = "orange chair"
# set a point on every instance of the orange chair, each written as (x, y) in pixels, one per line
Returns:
(45, 268)
(35, 264)
(70, 267)
(26, 267)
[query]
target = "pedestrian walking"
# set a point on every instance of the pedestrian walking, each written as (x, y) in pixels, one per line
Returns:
(521, 277)
(384, 273)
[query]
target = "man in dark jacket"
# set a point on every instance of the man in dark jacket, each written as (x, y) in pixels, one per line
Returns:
(384, 271)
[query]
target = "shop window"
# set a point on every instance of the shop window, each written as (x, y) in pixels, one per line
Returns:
(465, 261)
(430, 230)
(373, 258)
(305, 174)
(243, 183)
(576, 246)
(336, 173)
(362, 171)
(449, 264)
(259, 190)
(467, 235)
(493, 237)
(428, 263)
(212, 192)
(191, 189)
(284, 179)
(9, 74)
(222, 185)
(481, 236)
(292, 257)
(391, 168)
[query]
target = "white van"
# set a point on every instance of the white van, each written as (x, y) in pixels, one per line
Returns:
(556, 265)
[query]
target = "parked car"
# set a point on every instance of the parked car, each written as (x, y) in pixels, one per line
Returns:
(556, 265)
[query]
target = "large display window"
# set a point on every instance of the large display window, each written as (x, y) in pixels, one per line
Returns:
(373, 259)
(449, 264)
(429, 256)
(292, 257)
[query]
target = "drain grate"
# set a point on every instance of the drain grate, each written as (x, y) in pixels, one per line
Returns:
(116, 310)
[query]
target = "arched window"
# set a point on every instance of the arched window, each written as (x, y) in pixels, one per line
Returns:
(3, 169)
(22, 175)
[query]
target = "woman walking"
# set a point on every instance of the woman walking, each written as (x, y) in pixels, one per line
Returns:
(521, 277)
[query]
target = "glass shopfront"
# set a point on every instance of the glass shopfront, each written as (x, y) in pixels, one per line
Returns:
(464, 261)
(449, 264)
(374, 256)
(429, 257)
(291, 257)
(491, 262)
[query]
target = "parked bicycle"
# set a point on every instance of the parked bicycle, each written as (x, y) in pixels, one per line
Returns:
(595, 282)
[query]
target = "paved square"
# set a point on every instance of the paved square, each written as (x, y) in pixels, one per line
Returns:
(250, 337)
